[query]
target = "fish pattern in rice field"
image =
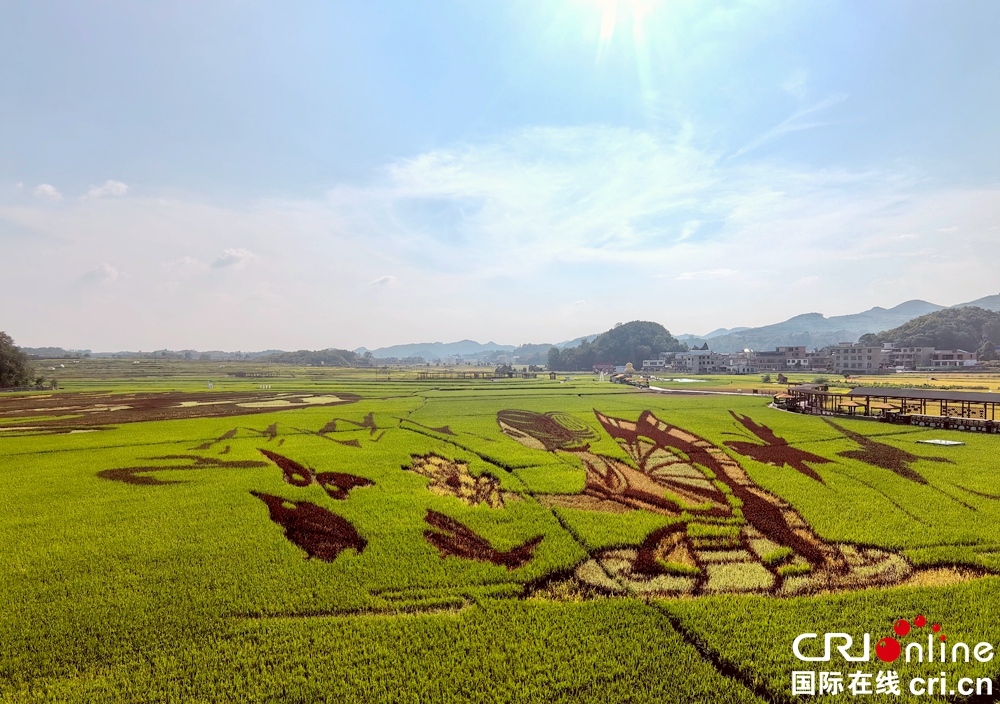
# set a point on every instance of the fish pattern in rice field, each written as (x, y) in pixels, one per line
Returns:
(321, 533)
(453, 538)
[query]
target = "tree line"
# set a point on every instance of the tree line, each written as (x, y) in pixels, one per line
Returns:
(15, 368)
(328, 358)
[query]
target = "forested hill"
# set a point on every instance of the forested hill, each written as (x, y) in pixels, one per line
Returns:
(628, 342)
(952, 328)
(328, 357)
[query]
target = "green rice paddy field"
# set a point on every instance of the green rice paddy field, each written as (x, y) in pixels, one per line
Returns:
(333, 538)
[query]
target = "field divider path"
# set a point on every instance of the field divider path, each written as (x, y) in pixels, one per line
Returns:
(115, 446)
(460, 604)
(880, 493)
(712, 657)
(700, 392)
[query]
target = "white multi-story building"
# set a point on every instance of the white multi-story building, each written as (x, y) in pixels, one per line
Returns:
(852, 358)
(740, 363)
(701, 361)
(866, 359)
(953, 358)
(906, 358)
(781, 359)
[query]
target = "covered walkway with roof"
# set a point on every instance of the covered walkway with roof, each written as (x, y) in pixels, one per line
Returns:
(958, 410)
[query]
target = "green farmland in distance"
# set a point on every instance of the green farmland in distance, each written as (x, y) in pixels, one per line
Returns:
(330, 536)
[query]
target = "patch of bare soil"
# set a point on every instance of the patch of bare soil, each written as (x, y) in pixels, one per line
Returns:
(89, 410)
(452, 538)
(16, 431)
(452, 478)
(322, 534)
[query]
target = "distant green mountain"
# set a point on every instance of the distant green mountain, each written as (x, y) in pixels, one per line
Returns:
(987, 302)
(438, 350)
(533, 353)
(966, 328)
(815, 330)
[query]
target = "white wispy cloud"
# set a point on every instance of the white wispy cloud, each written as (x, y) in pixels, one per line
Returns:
(48, 192)
(481, 233)
(794, 123)
(104, 273)
(706, 274)
(234, 258)
(110, 188)
(795, 84)
(186, 266)
(688, 230)
(575, 194)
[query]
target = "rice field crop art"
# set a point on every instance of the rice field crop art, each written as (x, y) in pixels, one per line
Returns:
(724, 533)
(90, 412)
(431, 510)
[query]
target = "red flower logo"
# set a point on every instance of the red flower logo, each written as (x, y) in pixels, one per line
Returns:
(888, 649)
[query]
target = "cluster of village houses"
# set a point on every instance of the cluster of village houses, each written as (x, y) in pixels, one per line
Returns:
(845, 358)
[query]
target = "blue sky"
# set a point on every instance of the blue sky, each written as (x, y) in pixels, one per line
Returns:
(245, 175)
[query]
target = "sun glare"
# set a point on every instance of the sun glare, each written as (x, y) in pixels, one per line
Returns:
(613, 13)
